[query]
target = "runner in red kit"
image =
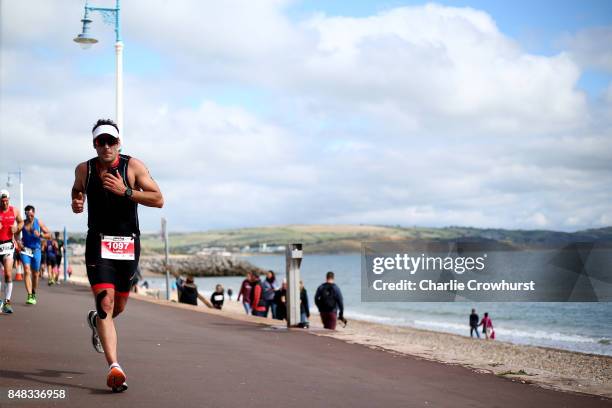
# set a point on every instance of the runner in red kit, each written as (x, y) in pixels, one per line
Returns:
(10, 225)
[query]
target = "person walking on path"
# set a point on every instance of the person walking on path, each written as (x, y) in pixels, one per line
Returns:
(10, 225)
(258, 304)
(487, 327)
(113, 184)
(328, 299)
(33, 231)
(270, 287)
(474, 324)
(245, 293)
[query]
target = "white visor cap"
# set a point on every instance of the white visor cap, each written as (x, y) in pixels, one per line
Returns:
(105, 130)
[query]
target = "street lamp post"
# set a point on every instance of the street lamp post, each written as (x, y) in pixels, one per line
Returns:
(9, 183)
(85, 40)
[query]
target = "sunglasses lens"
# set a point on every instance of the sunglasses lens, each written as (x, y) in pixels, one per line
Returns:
(106, 141)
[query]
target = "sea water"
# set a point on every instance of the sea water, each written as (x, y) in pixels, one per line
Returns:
(584, 327)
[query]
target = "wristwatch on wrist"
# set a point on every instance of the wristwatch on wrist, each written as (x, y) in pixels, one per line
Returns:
(128, 192)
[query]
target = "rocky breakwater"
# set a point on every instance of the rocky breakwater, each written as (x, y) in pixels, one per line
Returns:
(201, 265)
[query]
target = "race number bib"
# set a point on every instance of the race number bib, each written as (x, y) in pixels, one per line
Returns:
(27, 252)
(121, 248)
(6, 248)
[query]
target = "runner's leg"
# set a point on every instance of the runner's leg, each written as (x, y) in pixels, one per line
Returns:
(106, 327)
(7, 262)
(35, 269)
(8, 276)
(120, 302)
(27, 271)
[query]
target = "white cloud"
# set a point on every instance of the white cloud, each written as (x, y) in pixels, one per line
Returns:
(423, 115)
(591, 47)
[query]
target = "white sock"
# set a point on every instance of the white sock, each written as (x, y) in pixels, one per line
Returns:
(8, 290)
(110, 367)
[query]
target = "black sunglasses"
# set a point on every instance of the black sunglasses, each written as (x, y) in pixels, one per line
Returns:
(106, 140)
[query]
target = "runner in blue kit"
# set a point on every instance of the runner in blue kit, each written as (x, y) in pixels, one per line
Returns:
(30, 254)
(114, 184)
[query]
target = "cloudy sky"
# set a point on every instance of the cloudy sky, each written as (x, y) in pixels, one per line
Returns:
(249, 113)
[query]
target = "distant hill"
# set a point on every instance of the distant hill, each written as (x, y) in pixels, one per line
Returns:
(348, 238)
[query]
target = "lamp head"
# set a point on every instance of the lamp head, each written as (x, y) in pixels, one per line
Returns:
(85, 40)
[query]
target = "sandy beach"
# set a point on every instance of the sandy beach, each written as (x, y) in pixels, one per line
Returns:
(546, 367)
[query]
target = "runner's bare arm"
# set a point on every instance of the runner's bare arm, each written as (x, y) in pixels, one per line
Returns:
(146, 191)
(78, 189)
(45, 231)
(19, 221)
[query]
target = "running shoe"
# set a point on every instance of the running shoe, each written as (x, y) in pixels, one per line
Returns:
(30, 300)
(34, 299)
(95, 338)
(6, 307)
(116, 379)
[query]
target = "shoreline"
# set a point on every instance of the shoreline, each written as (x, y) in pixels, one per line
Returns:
(557, 369)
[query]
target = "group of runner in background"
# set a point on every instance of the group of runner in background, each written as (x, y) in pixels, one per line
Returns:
(28, 248)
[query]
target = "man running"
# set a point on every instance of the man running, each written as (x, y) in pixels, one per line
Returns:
(10, 225)
(33, 231)
(50, 250)
(114, 185)
(59, 255)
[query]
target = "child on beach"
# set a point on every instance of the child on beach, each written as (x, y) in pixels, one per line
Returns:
(218, 297)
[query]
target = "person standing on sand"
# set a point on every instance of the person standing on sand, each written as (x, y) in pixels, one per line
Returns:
(280, 299)
(304, 307)
(474, 324)
(187, 291)
(328, 299)
(245, 293)
(487, 326)
(114, 184)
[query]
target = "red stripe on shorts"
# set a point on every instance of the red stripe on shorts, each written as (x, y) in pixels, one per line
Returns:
(102, 286)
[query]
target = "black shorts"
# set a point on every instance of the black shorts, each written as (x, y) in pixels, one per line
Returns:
(109, 273)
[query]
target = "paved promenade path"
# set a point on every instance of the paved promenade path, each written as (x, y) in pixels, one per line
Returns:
(181, 358)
